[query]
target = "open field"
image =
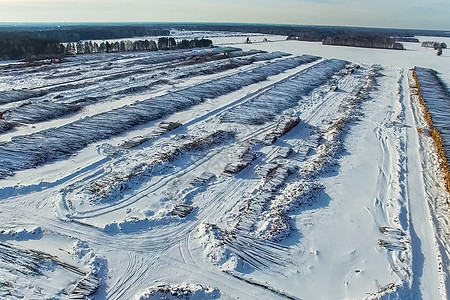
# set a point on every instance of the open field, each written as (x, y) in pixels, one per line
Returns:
(293, 171)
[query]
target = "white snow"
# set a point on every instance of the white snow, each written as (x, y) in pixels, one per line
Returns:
(289, 177)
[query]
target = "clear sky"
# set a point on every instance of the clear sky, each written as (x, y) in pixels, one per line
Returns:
(419, 14)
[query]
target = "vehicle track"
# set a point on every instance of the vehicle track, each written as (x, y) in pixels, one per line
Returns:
(204, 118)
(152, 245)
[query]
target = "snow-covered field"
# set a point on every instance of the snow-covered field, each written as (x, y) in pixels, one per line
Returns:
(219, 37)
(293, 171)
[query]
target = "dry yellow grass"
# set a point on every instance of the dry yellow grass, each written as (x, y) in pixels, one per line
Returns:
(437, 139)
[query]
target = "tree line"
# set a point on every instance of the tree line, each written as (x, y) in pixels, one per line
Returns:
(66, 34)
(366, 41)
(30, 48)
(434, 45)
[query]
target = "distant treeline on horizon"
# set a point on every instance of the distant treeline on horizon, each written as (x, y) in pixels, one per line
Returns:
(163, 43)
(41, 40)
(74, 32)
(81, 33)
(27, 48)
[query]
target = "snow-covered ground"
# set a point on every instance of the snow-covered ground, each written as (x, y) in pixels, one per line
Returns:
(218, 37)
(221, 173)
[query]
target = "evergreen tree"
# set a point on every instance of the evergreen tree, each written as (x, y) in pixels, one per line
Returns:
(95, 48)
(87, 48)
(122, 46)
(102, 47)
(80, 48)
(163, 43)
(108, 47)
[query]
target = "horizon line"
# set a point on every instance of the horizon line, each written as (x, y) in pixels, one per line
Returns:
(212, 23)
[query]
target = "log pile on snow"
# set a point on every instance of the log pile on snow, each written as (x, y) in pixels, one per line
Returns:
(327, 151)
(264, 170)
(182, 291)
(181, 195)
(41, 111)
(64, 78)
(134, 224)
(179, 207)
(25, 262)
(265, 213)
(185, 69)
(285, 95)
(202, 179)
(324, 155)
(96, 270)
(85, 287)
(182, 210)
(17, 264)
(24, 234)
(268, 55)
(273, 177)
(283, 127)
(275, 224)
(430, 98)
(6, 126)
(244, 156)
(34, 112)
(162, 128)
(283, 152)
(286, 124)
(256, 253)
(48, 145)
(18, 95)
(142, 164)
(434, 94)
(31, 265)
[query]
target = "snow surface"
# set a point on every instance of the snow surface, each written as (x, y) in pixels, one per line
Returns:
(197, 175)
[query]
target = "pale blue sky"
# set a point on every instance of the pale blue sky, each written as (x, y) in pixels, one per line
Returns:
(420, 14)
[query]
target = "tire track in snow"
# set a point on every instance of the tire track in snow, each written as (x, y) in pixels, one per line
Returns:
(204, 118)
(227, 284)
(235, 188)
(180, 236)
(135, 273)
(315, 116)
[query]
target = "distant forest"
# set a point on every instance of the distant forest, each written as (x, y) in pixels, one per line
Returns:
(435, 45)
(31, 42)
(350, 38)
(31, 48)
(366, 41)
(297, 30)
(82, 33)
(47, 40)
(129, 46)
